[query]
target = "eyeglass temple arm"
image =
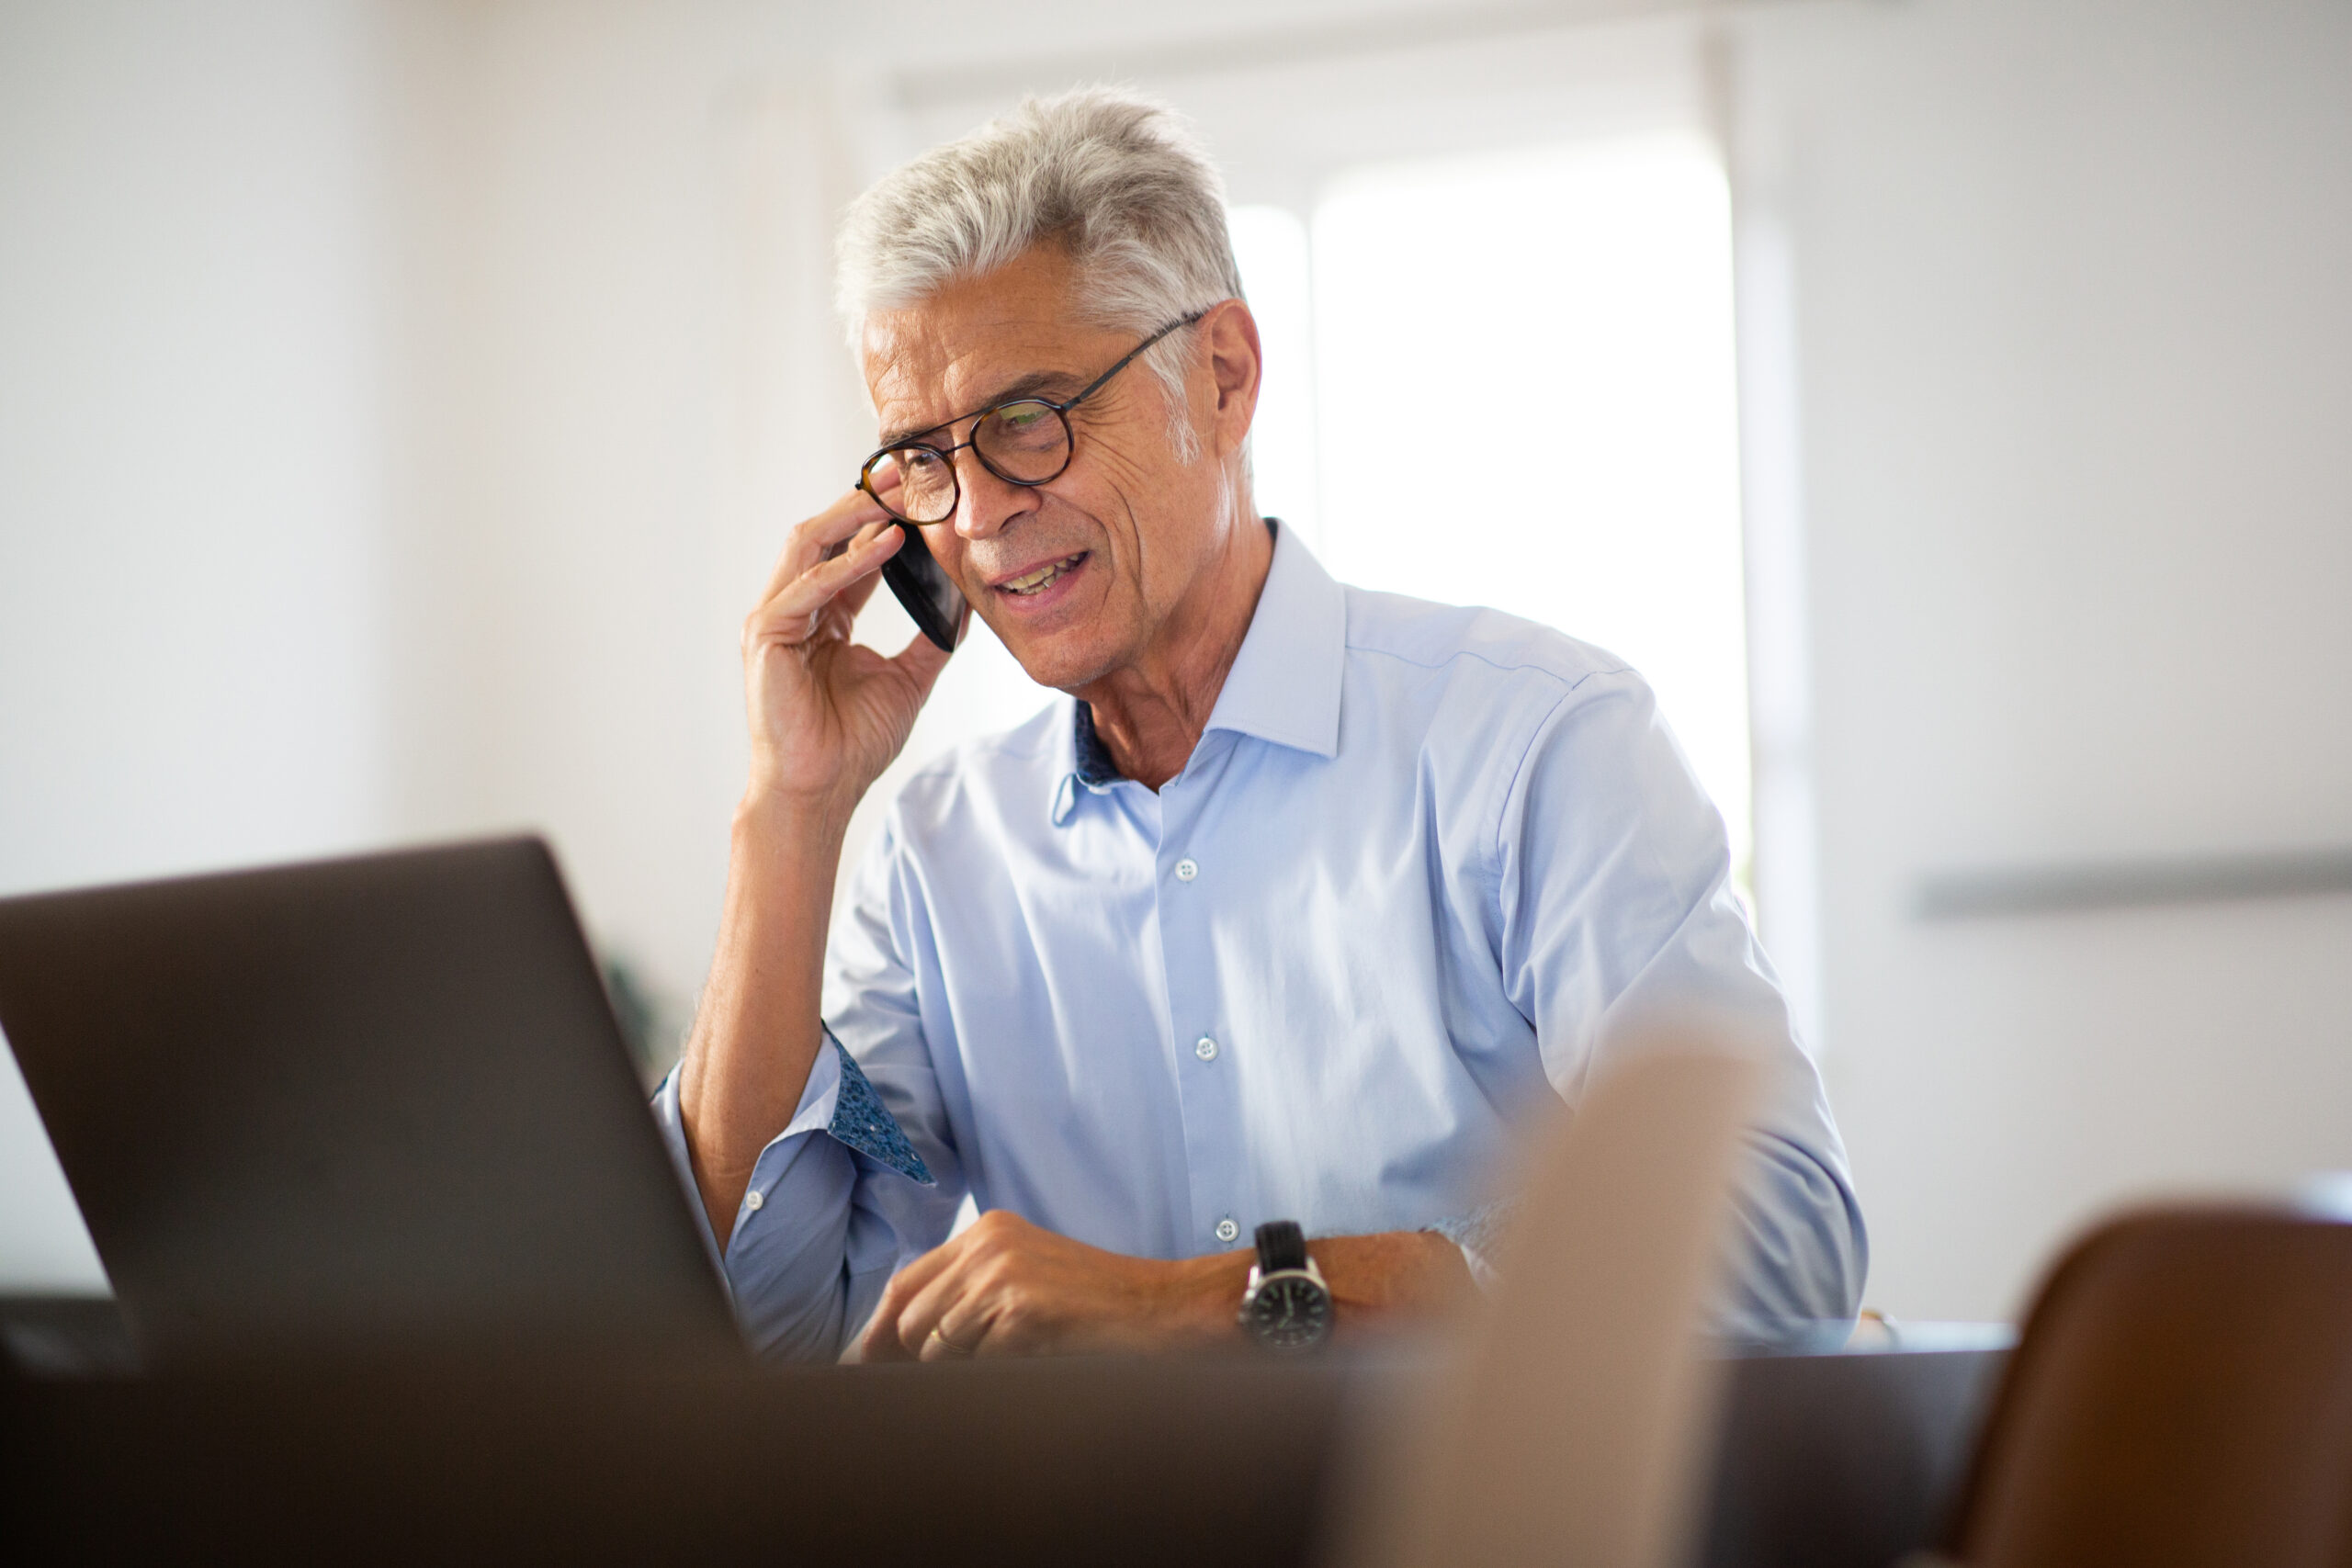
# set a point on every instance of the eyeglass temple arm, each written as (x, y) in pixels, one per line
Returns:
(1096, 385)
(1092, 388)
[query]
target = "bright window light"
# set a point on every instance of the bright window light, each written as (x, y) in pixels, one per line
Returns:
(1523, 390)
(1269, 245)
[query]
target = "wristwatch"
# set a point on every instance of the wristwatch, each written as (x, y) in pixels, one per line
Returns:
(1287, 1306)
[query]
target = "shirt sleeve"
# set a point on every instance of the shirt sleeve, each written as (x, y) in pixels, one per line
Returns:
(865, 1176)
(1618, 920)
(1479, 1234)
(822, 1225)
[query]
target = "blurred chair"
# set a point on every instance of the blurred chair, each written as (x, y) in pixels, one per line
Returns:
(1570, 1424)
(2182, 1396)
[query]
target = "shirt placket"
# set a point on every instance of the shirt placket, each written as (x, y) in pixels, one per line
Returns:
(1187, 884)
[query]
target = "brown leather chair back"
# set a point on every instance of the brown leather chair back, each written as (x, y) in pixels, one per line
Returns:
(2182, 1396)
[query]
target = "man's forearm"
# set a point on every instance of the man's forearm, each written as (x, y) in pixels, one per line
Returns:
(1392, 1279)
(758, 1030)
(1006, 1287)
(1395, 1277)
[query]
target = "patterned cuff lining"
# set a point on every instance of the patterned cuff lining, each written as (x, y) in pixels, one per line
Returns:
(861, 1121)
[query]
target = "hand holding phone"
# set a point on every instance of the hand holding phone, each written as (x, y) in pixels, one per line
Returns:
(827, 714)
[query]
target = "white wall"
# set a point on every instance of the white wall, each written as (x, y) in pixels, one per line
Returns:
(2075, 380)
(191, 446)
(559, 659)
(190, 436)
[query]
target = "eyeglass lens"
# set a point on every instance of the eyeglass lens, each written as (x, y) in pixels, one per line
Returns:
(1024, 442)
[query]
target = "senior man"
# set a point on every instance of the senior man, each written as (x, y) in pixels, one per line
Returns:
(1275, 926)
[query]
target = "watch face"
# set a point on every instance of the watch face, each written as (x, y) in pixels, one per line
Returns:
(1290, 1311)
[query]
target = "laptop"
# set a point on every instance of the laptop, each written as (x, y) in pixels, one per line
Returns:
(375, 1108)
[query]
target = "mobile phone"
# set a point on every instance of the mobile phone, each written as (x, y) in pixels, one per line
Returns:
(921, 583)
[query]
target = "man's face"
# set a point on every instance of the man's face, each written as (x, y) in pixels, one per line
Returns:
(1079, 577)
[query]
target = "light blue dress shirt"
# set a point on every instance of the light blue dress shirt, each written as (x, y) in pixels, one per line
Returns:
(1427, 870)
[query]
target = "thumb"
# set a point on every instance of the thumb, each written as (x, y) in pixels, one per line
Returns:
(920, 661)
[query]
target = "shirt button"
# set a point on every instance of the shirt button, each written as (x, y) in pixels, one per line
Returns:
(1204, 1048)
(1186, 870)
(1227, 1230)
(752, 1201)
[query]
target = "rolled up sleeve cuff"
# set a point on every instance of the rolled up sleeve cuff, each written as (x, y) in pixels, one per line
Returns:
(819, 1100)
(821, 1223)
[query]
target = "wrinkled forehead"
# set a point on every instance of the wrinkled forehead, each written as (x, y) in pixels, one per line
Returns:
(1010, 333)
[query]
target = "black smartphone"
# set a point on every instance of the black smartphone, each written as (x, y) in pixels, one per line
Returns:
(921, 585)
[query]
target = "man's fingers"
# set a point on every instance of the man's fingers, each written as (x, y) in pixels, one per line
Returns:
(880, 1342)
(962, 1330)
(854, 596)
(789, 614)
(927, 1306)
(883, 1339)
(937, 1347)
(967, 1328)
(922, 659)
(807, 544)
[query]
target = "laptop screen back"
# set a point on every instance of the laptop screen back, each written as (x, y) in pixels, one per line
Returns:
(375, 1106)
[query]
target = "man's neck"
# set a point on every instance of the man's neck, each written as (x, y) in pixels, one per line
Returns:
(1149, 715)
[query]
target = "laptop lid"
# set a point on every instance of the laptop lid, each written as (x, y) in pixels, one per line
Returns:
(375, 1106)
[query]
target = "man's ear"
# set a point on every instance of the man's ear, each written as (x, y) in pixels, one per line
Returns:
(1234, 366)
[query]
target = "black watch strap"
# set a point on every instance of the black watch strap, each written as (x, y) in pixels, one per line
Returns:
(1281, 1245)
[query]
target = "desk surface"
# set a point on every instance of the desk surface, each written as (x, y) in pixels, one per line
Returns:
(1824, 1458)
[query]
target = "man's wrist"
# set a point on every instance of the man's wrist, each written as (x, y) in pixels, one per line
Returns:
(770, 815)
(1202, 1297)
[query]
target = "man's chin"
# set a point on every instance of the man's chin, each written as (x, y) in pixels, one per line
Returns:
(1068, 658)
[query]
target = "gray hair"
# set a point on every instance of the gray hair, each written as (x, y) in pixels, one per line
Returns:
(1121, 181)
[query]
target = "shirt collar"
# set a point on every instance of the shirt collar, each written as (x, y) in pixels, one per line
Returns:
(1090, 759)
(1284, 684)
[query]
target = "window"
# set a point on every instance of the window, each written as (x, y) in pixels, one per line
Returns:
(1522, 395)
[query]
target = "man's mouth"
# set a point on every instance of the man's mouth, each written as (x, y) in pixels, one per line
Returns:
(1038, 580)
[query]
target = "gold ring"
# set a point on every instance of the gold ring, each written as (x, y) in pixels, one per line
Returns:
(949, 1345)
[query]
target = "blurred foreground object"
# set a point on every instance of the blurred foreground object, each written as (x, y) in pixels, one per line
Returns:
(2182, 1396)
(1570, 1427)
(1826, 1460)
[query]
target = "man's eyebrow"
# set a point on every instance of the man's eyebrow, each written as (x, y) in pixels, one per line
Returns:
(1037, 383)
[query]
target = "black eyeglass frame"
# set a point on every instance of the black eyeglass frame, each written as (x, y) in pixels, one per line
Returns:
(1060, 412)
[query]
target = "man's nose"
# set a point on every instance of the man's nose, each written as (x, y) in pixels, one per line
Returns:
(985, 504)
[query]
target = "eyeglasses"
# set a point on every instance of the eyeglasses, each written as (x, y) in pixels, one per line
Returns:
(1023, 440)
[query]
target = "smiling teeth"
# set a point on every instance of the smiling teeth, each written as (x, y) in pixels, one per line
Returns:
(1039, 578)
